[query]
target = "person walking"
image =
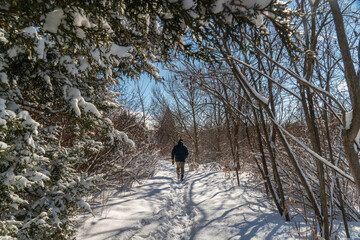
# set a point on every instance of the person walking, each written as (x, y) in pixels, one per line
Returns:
(180, 153)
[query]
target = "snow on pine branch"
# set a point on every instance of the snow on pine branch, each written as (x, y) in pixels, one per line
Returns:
(244, 6)
(77, 101)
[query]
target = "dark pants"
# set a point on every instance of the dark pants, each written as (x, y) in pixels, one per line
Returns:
(180, 168)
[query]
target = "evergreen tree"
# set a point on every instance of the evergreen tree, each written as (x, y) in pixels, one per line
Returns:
(58, 62)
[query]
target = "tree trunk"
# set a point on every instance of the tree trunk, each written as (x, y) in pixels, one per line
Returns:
(265, 168)
(196, 134)
(232, 143)
(340, 195)
(240, 77)
(353, 82)
(310, 117)
(280, 190)
(328, 137)
(257, 163)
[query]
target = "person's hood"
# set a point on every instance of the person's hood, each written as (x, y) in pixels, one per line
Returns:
(180, 143)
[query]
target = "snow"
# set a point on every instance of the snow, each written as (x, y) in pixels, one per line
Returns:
(271, 15)
(246, 6)
(252, 3)
(154, 71)
(115, 50)
(77, 101)
(3, 146)
(257, 20)
(348, 119)
(80, 33)
(193, 14)
(84, 205)
(69, 64)
(53, 20)
(96, 54)
(342, 86)
(257, 95)
(80, 20)
(204, 206)
(48, 81)
(3, 78)
(2, 37)
(54, 212)
(3, 123)
(14, 51)
(40, 48)
(119, 51)
(123, 137)
(84, 64)
(219, 6)
(317, 156)
(168, 16)
(30, 31)
(106, 26)
(28, 122)
(16, 199)
(149, 121)
(29, 140)
(37, 177)
(2, 107)
(187, 4)
(37, 220)
(21, 181)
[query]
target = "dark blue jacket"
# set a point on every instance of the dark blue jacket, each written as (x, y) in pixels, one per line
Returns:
(180, 152)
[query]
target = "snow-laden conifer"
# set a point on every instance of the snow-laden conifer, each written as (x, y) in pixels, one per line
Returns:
(58, 63)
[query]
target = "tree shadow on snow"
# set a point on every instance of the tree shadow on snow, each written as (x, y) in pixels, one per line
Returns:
(249, 229)
(117, 233)
(246, 229)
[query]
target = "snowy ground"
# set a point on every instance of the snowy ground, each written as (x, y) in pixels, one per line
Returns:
(204, 206)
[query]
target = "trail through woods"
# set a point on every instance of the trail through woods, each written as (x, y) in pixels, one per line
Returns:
(204, 206)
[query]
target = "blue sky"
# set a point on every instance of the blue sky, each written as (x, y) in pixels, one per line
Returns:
(147, 84)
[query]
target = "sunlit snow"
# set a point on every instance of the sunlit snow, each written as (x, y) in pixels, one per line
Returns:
(205, 206)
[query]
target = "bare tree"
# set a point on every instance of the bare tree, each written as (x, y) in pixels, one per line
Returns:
(351, 120)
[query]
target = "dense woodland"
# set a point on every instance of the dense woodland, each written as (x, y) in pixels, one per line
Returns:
(262, 86)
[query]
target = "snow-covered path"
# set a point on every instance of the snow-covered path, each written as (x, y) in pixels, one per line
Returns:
(204, 206)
